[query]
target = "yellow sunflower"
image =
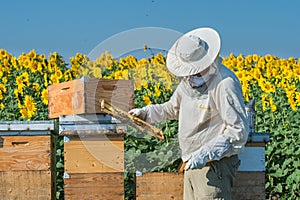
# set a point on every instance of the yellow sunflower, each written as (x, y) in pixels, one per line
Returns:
(268, 58)
(272, 105)
(24, 113)
(2, 87)
(147, 100)
(118, 75)
(240, 75)
(25, 77)
(265, 102)
(45, 96)
(297, 98)
(30, 105)
(97, 72)
(27, 63)
(3, 53)
(249, 59)
(4, 79)
(157, 91)
(268, 87)
(255, 57)
(42, 57)
(36, 87)
(58, 73)
(54, 79)
(2, 106)
(32, 54)
(240, 58)
(256, 74)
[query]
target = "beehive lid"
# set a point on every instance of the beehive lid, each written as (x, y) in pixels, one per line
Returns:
(91, 124)
(26, 127)
(259, 137)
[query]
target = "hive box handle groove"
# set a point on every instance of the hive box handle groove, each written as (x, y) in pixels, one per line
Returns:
(19, 143)
(64, 89)
(109, 87)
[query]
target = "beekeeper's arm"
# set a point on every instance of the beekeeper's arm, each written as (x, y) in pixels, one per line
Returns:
(158, 112)
(230, 105)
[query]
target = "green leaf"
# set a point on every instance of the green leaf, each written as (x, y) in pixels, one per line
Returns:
(278, 188)
(59, 165)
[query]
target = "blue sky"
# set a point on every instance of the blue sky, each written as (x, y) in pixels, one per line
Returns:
(71, 26)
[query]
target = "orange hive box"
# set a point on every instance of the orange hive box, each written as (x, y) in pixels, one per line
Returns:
(81, 96)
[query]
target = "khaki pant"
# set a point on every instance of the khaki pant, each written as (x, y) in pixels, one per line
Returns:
(214, 181)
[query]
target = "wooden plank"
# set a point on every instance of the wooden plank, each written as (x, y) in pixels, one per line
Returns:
(25, 185)
(168, 185)
(160, 185)
(255, 144)
(94, 154)
(91, 133)
(25, 153)
(250, 185)
(104, 186)
(81, 96)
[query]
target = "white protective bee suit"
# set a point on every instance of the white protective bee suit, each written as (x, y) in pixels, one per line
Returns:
(209, 107)
(215, 109)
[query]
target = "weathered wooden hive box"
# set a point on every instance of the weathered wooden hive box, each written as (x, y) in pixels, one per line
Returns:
(251, 176)
(93, 141)
(27, 160)
(81, 96)
(93, 156)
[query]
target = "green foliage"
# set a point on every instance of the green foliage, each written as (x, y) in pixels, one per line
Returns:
(60, 168)
(146, 154)
(283, 149)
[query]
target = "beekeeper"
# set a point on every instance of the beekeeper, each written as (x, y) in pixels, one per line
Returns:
(209, 107)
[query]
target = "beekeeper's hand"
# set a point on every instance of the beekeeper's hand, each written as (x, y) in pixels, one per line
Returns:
(138, 112)
(213, 150)
(197, 160)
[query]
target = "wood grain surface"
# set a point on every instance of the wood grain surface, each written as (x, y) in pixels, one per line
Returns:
(25, 153)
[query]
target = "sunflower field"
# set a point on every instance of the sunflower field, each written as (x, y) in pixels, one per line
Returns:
(273, 82)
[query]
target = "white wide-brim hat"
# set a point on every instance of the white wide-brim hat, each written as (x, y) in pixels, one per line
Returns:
(194, 52)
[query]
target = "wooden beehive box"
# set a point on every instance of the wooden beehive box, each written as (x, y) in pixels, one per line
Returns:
(27, 160)
(81, 96)
(94, 156)
(104, 186)
(250, 184)
(159, 185)
(169, 186)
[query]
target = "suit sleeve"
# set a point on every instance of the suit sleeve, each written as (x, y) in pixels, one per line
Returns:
(230, 103)
(167, 110)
